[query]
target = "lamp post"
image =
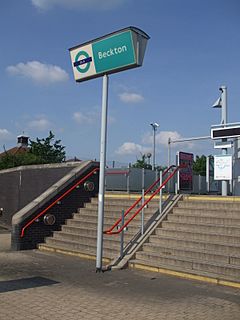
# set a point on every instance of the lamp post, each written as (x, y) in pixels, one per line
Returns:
(154, 126)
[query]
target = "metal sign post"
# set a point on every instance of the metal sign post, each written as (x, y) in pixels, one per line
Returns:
(121, 50)
(103, 144)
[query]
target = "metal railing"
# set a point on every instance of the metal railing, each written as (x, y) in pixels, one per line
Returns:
(111, 231)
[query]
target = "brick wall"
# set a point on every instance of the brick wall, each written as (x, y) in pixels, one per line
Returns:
(62, 210)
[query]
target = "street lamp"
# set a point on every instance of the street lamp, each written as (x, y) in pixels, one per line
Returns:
(154, 126)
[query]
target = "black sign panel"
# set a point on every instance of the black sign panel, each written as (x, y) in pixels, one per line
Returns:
(220, 133)
(185, 174)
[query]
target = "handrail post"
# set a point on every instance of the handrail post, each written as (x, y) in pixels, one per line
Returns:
(160, 192)
(143, 186)
(156, 175)
(128, 181)
(122, 236)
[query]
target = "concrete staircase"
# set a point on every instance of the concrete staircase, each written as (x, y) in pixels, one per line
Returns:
(201, 236)
(79, 235)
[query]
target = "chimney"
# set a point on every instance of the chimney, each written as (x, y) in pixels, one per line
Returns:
(22, 141)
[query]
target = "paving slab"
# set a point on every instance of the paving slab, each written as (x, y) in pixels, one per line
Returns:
(39, 285)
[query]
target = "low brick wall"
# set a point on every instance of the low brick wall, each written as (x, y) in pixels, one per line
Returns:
(21, 185)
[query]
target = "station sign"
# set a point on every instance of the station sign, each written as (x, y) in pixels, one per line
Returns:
(115, 52)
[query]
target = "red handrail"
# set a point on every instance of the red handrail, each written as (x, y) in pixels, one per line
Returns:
(109, 231)
(58, 199)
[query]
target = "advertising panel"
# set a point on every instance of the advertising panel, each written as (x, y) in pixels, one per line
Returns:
(185, 175)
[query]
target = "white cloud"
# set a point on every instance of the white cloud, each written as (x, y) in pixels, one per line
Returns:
(87, 118)
(90, 117)
(5, 134)
(111, 119)
(128, 97)
(162, 138)
(129, 148)
(40, 124)
(77, 4)
(39, 72)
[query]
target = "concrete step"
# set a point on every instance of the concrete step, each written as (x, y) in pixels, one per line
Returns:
(111, 214)
(193, 253)
(125, 201)
(79, 230)
(223, 248)
(235, 214)
(108, 241)
(80, 247)
(189, 264)
(118, 208)
(133, 227)
(188, 218)
(111, 219)
(137, 263)
(208, 205)
(92, 232)
(191, 235)
(205, 228)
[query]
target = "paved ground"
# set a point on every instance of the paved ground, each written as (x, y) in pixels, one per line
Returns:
(35, 285)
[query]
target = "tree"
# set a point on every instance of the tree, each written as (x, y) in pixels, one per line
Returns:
(199, 165)
(41, 151)
(14, 160)
(47, 150)
(142, 163)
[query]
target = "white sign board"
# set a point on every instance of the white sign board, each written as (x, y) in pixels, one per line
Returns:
(223, 167)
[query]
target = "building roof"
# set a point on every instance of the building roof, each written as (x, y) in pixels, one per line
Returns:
(15, 151)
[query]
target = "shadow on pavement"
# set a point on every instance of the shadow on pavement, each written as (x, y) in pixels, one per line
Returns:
(26, 283)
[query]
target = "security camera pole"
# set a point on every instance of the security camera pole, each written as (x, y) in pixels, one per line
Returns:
(154, 126)
(223, 89)
(222, 103)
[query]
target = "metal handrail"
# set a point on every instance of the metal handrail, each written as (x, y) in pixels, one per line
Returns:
(58, 199)
(110, 232)
(137, 201)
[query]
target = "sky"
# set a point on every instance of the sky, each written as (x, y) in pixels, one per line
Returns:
(194, 48)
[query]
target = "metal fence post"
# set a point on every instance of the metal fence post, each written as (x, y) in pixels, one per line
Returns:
(160, 192)
(128, 181)
(143, 186)
(122, 236)
(199, 184)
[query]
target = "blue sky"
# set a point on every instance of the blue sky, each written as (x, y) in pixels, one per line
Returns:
(193, 50)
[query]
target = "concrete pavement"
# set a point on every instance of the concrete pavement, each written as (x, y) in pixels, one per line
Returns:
(37, 285)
